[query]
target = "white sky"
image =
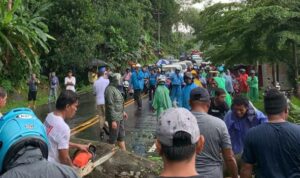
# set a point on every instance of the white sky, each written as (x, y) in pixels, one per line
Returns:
(204, 3)
(201, 6)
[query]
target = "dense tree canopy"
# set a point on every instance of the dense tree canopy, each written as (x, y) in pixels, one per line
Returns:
(254, 30)
(116, 31)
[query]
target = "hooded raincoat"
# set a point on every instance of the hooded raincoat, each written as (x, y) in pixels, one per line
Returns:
(221, 84)
(186, 95)
(162, 99)
(114, 101)
(253, 85)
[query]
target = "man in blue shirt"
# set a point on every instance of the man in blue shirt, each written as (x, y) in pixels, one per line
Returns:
(152, 83)
(176, 82)
(137, 81)
(189, 86)
(240, 119)
(274, 147)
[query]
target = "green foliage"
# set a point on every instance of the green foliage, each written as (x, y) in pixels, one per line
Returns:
(23, 38)
(261, 30)
(116, 31)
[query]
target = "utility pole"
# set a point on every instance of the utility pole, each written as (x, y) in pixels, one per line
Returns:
(158, 13)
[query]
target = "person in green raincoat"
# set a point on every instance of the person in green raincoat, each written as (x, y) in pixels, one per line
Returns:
(253, 85)
(161, 100)
(220, 82)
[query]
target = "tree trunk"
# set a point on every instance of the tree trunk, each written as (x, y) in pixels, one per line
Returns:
(296, 69)
(9, 4)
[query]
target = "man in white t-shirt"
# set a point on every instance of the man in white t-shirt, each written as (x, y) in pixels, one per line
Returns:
(70, 81)
(99, 89)
(58, 131)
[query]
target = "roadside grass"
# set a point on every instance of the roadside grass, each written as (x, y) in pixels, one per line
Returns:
(42, 98)
(294, 111)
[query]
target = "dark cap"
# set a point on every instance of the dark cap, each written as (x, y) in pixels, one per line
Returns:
(199, 94)
(275, 102)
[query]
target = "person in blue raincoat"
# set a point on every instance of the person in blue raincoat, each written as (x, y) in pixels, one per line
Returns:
(176, 82)
(190, 85)
(137, 81)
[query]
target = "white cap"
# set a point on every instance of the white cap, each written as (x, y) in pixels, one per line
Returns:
(174, 120)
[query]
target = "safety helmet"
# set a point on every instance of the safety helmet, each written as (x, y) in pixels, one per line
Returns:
(178, 68)
(138, 65)
(20, 128)
(162, 79)
(194, 72)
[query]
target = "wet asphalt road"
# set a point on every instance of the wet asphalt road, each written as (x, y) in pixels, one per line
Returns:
(139, 127)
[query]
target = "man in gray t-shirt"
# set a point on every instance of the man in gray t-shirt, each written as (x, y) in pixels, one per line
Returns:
(209, 162)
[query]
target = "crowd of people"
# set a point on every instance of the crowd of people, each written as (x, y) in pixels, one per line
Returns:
(206, 122)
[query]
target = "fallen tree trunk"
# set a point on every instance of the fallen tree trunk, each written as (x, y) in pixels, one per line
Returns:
(123, 164)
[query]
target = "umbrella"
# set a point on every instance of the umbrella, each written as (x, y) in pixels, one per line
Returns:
(97, 62)
(162, 62)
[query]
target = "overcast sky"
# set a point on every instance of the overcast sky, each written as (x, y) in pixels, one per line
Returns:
(204, 3)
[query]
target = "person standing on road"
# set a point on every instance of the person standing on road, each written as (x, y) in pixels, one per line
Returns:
(32, 92)
(274, 147)
(209, 162)
(54, 84)
(253, 85)
(137, 81)
(152, 83)
(126, 83)
(99, 89)
(70, 81)
(178, 142)
(220, 81)
(189, 86)
(176, 92)
(58, 131)
(146, 79)
(218, 106)
(240, 119)
(3, 98)
(242, 79)
(161, 100)
(196, 78)
(228, 82)
(114, 111)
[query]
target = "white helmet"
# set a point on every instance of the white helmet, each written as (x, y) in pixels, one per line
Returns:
(161, 79)
(138, 65)
(178, 68)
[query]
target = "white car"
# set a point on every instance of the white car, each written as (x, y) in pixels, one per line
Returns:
(171, 68)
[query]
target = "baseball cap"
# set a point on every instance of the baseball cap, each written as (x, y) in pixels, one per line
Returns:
(174, 120)
(199, 94)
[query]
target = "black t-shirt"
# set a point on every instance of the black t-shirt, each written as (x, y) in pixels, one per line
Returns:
(275, 148)
(218, 111)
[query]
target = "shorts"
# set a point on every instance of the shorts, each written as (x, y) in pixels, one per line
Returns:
(117, 134)
(32, 95)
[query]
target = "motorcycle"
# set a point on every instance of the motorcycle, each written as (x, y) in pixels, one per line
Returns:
(125, 89)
